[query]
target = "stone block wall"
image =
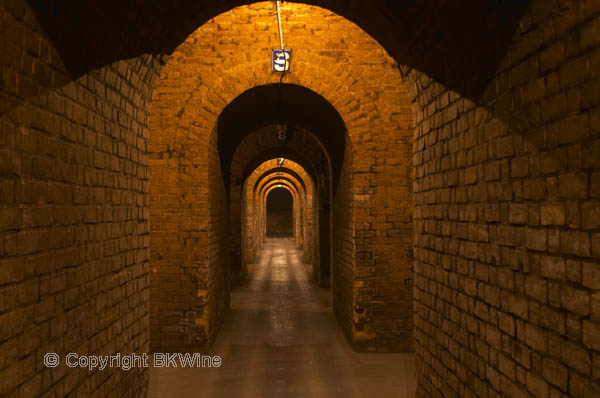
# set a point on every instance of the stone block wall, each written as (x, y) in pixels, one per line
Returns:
(506, 218)
(382, 224)
(343, 248)
(73, 215)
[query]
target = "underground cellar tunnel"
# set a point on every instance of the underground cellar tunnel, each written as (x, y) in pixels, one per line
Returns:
(440, 161)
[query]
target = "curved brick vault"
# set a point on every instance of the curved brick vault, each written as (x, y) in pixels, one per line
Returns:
(506, 181)
(206, 108)
(300, 145)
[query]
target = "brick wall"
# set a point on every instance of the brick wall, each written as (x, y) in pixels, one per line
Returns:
(342, 283)
(179, 236)
(382, 223)
(506, 218)
(73, 215)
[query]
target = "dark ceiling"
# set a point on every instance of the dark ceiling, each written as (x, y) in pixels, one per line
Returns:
(459, 43)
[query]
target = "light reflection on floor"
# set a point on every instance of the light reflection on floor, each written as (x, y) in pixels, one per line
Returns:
(281, 340)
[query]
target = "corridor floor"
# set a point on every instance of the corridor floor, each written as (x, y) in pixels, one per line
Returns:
(281, 340)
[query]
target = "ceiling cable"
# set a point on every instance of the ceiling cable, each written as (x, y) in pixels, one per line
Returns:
(277, 3)
(281, 127)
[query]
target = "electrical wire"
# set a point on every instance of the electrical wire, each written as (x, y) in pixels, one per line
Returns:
(281, 127)
(277, 3)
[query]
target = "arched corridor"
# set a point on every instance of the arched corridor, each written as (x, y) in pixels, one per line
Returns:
(337, 197)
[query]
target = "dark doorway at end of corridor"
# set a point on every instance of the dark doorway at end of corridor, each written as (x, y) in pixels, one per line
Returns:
(280, 213)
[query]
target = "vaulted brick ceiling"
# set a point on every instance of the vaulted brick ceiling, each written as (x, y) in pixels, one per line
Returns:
(458, 43)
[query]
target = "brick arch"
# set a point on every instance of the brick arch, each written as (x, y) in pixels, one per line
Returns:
(288, 181)
(297, 184)
(281, 183)
(262, 201)
(283, 170)
(266, 184)
(296, 207)
(258, 233)
(269, 167)
(287, 154)
(318, 250)
(375, 111)
(254, 147)
(249, 122)
(209, 88)
(249, 244)
(284, 183)
(263, 144)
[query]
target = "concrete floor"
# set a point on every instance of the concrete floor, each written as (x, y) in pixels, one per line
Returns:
(281, 340)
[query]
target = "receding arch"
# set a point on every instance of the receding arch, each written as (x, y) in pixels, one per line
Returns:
(263, 106)
(256, 148)
(186, 134)
(279, 207)
(280, 171)
(277, 179)
(255, 184)
(286, 154)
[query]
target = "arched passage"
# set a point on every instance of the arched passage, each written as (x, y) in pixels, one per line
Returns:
(261, 206)
(251, 149)
(502, 193)
(211, 133)
(300, 179)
